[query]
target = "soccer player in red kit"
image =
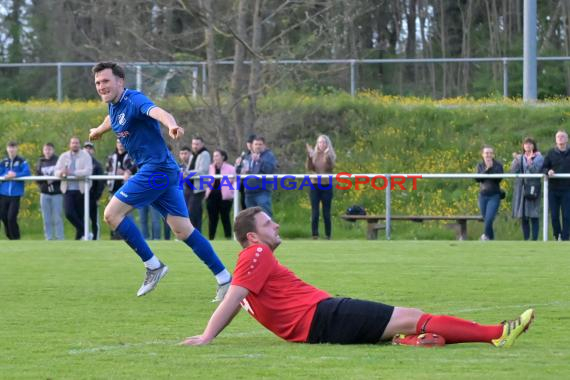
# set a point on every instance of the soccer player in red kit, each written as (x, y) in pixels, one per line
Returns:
(299, 312)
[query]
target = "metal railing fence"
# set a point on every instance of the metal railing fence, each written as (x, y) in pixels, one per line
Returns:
(199, 69)
(423, 176)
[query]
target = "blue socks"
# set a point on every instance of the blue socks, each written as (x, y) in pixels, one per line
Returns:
(204, 250)
(201, 247)
(133, 237)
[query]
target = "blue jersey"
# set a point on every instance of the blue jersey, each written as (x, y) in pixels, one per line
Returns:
(139, 133)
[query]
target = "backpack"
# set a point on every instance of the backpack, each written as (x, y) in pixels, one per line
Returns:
(355, 210)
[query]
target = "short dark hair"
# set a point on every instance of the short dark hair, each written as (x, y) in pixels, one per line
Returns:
(50, 145)
(198, 138)
(245, 223)
(12, 143)
(185, 147)
(222, 153)
(250, 138)
(115, 68)
(259, 138)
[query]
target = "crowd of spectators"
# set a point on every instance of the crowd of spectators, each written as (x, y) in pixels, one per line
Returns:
(66, 197)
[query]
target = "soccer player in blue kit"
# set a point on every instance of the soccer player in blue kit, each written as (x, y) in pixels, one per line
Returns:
(135, 121)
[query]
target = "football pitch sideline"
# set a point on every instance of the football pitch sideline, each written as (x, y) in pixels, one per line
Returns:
(69, 311)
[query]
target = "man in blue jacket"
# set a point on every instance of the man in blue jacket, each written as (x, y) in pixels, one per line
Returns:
(12, 166)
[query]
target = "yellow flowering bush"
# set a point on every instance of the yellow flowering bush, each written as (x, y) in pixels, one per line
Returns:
(372, 133)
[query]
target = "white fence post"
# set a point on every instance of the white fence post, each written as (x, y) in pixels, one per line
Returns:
(388, 208)
(545, 209)
(236, 202)
(86, 218)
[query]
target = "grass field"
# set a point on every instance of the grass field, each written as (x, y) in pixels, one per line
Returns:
(69, 311)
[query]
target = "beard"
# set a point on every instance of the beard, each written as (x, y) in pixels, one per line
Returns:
(275, 245)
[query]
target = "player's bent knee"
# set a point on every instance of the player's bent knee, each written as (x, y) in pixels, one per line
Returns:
(180, 226)
(110, 218)
(182, 233)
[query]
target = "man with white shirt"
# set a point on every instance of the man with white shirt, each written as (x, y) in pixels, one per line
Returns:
(74, 163)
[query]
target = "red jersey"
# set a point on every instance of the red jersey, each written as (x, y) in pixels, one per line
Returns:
(277, 298)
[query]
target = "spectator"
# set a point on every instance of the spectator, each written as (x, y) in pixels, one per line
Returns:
(557, 161)
(219, 199)
(184, 156)
(258, 190)
(155, 222)
(242, 162)
(156, 216)
(199, 163)
(321, 159)
(96, 191)
(524, 208)
(119, 163)
(77, 163)
(166, 228)
(490, 193)
(51, 199)
(12, 166)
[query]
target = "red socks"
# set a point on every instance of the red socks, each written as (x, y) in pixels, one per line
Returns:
(456, 330)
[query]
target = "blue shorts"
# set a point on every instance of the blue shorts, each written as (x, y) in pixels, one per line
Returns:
(158, 188)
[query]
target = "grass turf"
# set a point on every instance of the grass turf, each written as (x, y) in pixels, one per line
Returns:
(68, 310)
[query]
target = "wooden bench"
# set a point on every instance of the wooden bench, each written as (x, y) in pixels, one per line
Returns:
(458, 222)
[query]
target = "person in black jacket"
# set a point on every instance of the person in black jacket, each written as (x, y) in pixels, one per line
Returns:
(119, 163)
(51, 199)
(557, 161)
(95, 192)
(242, 165)
(489, 190)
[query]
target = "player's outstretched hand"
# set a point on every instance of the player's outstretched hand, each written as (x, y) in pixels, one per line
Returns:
(197, 340)
(94, 134)
(176, 132)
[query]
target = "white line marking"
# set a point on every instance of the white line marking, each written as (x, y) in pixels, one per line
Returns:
(127, 346)
(502, 307)
(117, 347)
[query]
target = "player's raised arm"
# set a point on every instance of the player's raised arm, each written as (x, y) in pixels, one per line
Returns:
(96, 133)
(168, 120)
(222, 317)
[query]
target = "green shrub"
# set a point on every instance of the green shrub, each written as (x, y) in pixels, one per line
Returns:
(371, 134)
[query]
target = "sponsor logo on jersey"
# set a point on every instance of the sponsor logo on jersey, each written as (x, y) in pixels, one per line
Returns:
(122, 119)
